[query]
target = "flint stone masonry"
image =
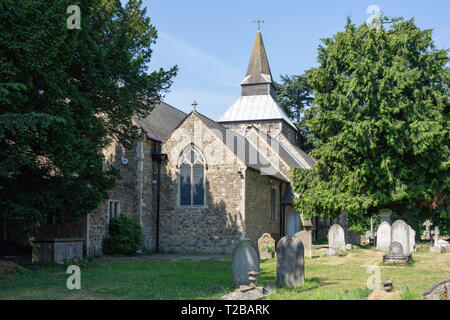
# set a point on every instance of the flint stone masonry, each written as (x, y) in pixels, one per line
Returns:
(400, 232)
(306, 238)
(245, 260)
(383, 236)
(264, 242)
(336, 237)
(57, 250)
(438, 291)
(290, 262)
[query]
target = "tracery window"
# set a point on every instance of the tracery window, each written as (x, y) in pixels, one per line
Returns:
(192, 177)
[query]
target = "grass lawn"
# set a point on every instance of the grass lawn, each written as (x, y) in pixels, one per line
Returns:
(325, 278)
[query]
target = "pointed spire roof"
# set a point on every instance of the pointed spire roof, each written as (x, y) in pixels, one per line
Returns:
(258, 70)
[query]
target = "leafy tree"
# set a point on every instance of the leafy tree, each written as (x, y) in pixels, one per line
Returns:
(294, 96)
(64, 96)
(381, 119)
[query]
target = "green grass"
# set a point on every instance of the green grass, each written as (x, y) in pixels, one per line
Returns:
(330, 278)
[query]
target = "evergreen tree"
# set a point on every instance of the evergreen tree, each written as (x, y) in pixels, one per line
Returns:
(381, 119)
(65, 95)
(294, 94)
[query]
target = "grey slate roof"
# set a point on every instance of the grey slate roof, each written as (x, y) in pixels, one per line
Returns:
(258, 107)
(281, 150)
(161, 122)
(309, 160)
(229, 137)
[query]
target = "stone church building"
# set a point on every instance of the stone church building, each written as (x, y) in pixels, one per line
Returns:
(199, 185)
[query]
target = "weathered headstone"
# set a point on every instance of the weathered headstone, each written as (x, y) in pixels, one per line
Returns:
(427, 224)
(438, 245)
(306, 238)
(400, 231)
(396, 254)
(353, 237)
(266, 246)
(383, 236)
(436, 236)
(290, 262)
(245, 260)
(336, 237)
(412, 240)
(386, 215)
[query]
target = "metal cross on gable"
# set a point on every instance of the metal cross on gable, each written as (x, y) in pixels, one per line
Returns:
(194, 106)
(259, 21)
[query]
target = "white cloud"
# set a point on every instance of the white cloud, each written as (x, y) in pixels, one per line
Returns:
(193, 62)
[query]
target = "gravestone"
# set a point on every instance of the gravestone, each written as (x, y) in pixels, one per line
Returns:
(386, 215)
(245, 260)
(427, 224)
(266, 246)
(383, 236)
(290, 262)
(353, 237)
(57, 250)
(306, 238)
(412, 240)
(400, 232)
(436, 236)
(439, 245)
(396, 254)
(336, 237)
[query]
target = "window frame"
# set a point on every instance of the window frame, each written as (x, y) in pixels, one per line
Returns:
(109, 215)
(202, 162)
(273, 204)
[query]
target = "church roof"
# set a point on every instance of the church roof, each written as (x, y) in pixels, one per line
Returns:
(161, 122)
(290, 159)
(258, 70)
(250, 108)
(230, 137)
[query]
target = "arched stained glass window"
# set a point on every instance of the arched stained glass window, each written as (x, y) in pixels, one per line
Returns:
(192, 177)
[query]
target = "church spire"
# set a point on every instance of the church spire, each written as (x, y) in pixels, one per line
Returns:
(258, 70)
(258, 79)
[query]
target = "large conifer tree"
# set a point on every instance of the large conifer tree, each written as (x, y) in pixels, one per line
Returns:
(381, 119)
(65, 94)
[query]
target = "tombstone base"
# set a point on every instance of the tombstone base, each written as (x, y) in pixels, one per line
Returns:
(436, 249)
(397, 258)
(57, 250)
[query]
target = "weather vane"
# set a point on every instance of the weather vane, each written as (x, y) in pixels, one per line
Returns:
(194, 106)
(259, 21)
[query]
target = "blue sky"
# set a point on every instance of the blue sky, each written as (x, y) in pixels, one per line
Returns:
(211, 40)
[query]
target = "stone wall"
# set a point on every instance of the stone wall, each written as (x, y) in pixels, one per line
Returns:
(134, 178)
(217, 226)
(272, 127)
(257, 208)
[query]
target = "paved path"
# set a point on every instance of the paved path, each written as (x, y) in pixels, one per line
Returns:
(163, 256)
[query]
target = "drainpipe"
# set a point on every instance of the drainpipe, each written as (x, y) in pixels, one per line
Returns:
(281, 209)
(140, 169)
(158, 157)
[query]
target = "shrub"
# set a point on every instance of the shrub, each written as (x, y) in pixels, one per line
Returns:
(125, 236)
